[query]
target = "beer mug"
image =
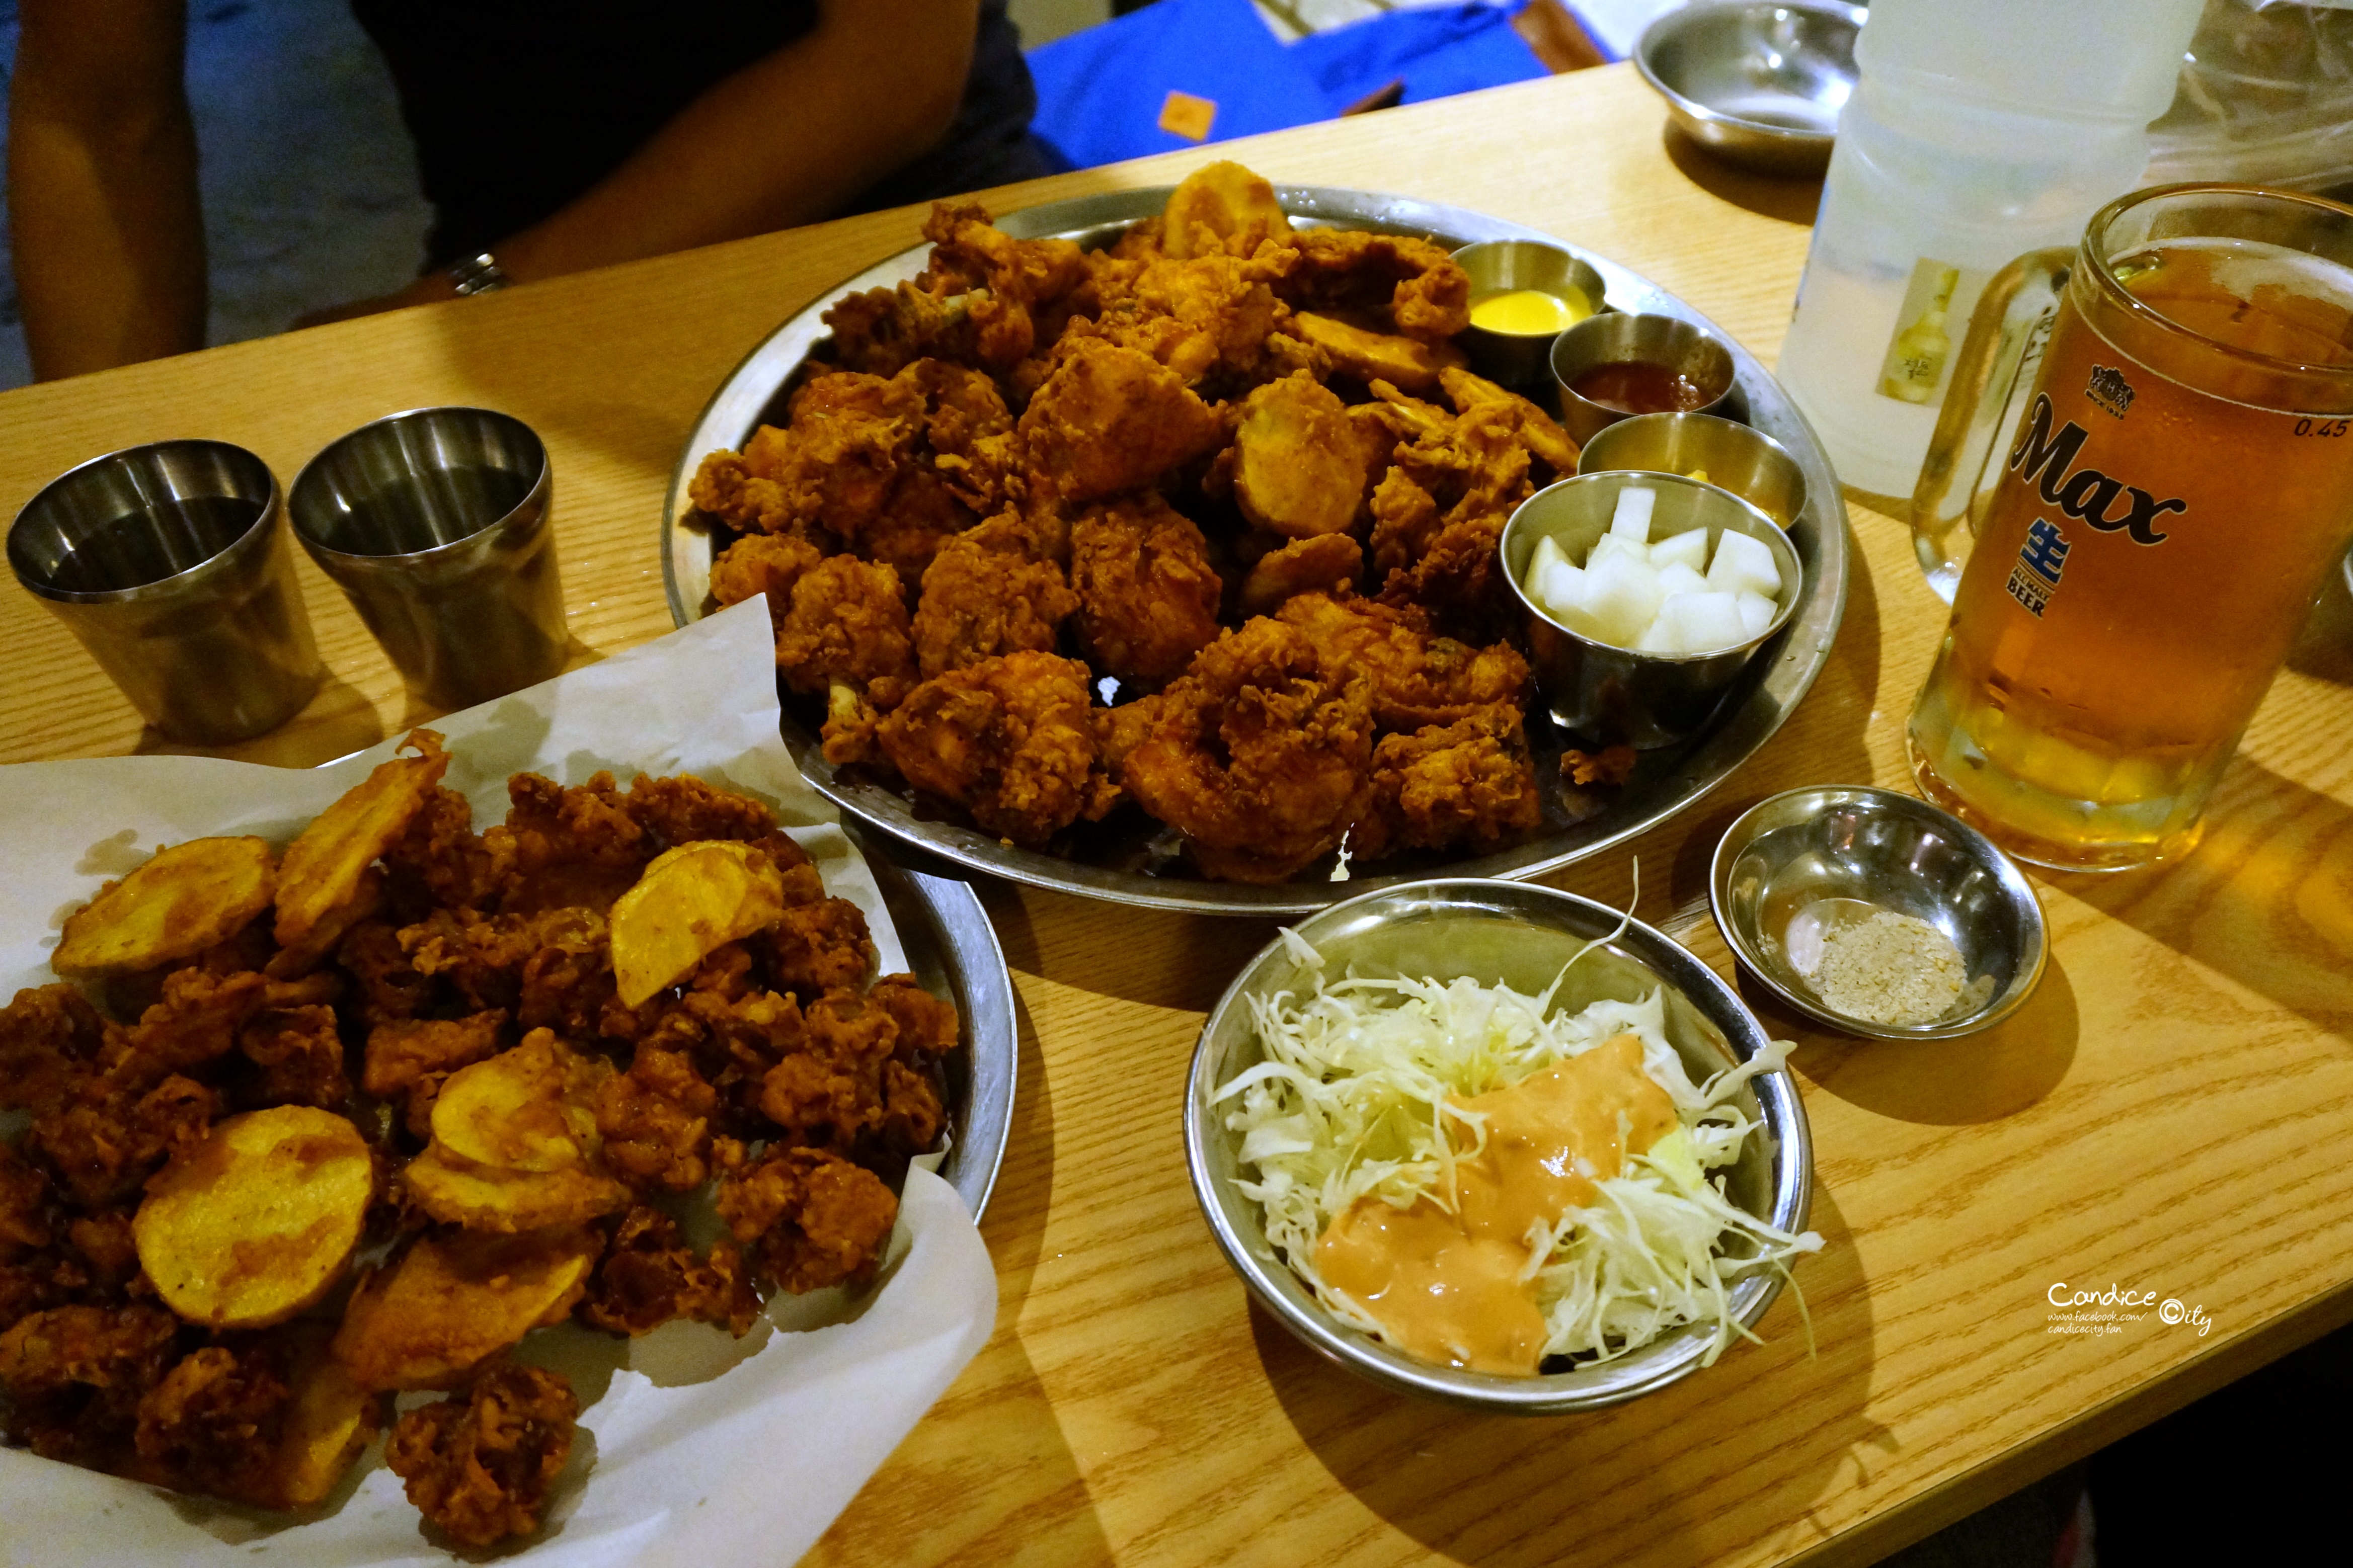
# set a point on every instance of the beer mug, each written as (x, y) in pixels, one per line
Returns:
(2180, 480)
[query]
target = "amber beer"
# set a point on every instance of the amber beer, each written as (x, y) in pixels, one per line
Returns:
(2182, 478)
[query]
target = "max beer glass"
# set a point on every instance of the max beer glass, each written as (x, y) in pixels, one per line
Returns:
(2181, 479)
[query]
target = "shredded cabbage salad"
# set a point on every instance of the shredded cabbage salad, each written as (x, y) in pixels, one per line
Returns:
(1350, 1099)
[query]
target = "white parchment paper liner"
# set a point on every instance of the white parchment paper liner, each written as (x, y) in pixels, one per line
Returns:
(694, 1449)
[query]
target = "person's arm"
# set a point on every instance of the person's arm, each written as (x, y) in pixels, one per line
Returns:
(787, 140)
(107, 236)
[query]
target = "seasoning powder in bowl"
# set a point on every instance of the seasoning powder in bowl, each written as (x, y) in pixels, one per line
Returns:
(1878, 966)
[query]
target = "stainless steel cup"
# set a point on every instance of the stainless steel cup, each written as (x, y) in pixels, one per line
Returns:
(1668, 341)
(169, 562)
(1500, 266)
(1596, 689)
(434, 523)
(1729, 455)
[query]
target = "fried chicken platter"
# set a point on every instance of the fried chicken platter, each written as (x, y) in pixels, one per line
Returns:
(310, 1144)
(1175, 558)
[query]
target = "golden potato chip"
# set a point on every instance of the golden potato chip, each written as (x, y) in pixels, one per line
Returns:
(458, 1191)
(529, 1109)
(693, 900)
(257, 1222)
(1225, 198)
(449, 1303)
(186, 899)
(323, 868)
(329, 1419)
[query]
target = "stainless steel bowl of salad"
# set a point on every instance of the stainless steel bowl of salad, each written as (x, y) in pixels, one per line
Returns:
(1491, 1143)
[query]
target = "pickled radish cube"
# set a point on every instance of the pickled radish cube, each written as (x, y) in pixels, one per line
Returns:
(1561, 587)
(1702, 623)
(1742, 562)
(1622, 595)
(1674, 578)
(1548, 550)
(1688, 548)
(1609, 544)
(1756, 612)
(1632, 520)
(1658, 637)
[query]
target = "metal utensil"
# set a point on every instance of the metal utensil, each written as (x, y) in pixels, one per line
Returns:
(1500, 266)
(1729, 455)
(1521, 936)
(434, 523)
(169, 564)
(1609, 693)
(1803, 857)
(1758, 84)
(1669, 342)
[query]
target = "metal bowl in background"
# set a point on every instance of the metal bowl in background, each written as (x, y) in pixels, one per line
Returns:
(1839, 846)
(1502, 266)
(1514, 934)
(1758, 84)
(1598, 690)
(1729, 455)
(1669, 342)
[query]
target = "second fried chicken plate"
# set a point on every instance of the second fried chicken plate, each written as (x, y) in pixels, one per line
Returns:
(1231, 477)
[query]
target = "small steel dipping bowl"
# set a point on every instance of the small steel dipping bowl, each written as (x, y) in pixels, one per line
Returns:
(1603, 693)
(1759, 85)
(1727, 454)
(1669, 342)
(1502, 266)
(1518, 934)
(1826, 856)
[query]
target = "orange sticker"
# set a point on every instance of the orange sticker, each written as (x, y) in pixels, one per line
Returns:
(1187, 116)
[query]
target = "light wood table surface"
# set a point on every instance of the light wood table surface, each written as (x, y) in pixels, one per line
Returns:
(2166, 1115)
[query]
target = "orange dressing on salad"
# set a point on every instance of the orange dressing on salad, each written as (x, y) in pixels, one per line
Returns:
(1446, 1286)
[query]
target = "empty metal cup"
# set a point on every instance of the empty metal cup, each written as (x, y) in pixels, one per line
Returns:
(1503, 267)
(169, 564)
(1669, 345)
(1727, 454)
(434, 523)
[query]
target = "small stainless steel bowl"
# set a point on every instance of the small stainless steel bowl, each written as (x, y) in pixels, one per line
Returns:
(1521, 935)
(1731, 456)
(1760, 85)
(1501, 265)
(1872, 847)
(1620, 338)
(1598, 690)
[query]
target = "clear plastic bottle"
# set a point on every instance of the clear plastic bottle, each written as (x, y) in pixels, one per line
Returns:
(1979, 129)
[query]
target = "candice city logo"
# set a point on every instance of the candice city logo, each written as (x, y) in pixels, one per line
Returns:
(2110, 390)
(2086, 1310)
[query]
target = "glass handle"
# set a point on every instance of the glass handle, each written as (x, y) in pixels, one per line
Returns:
(2009, 320)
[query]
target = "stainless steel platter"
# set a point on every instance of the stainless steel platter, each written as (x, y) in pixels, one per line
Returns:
(1134, 867)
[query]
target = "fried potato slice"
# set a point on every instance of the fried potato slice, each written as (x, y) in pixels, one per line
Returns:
(691, 902)
(323, 868)
(258, 1221)
(1299, 469)
(1226, 198)
(462, 1192)
(1406, 362)
(187, 898)
(531, 1109)
(451, 1302)
(329, 1420)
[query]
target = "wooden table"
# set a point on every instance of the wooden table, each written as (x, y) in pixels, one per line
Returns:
(2164, 1116)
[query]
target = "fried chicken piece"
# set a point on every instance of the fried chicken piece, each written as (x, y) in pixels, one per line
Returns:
(1367, 355)
(553, 833)
(847, 624)
(24, 1205)
(107, 1138)
(213, 1422)
(389, 988)
(1147, 594)
(655, 1120)
(1539, 432)
(1110, 419)
(828, 474)
(1008, 739)
(483, 957)
(817, 947)
(1612, 766)
(1413, 282)
(107, 1248)
(984, 596)
(883, 331)
(1470, 785)
(410, 1059)
(733, 1041)
(927, 1026)
(649, 1276)
(75, 1376)
(1210, 318)
(1457, 579)
(1327, 564)
(766, 563)
(481, 1467)
(921, 514)
(807, 1218)
(1419, 678)
(1299, 469)
(300, 1054)
(1260, 755)
(683, 809)
(968, 434)
(1029, 283)
(49, 1037)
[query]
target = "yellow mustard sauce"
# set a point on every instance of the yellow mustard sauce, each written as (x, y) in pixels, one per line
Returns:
(1531, 311)
(1446, 1286)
